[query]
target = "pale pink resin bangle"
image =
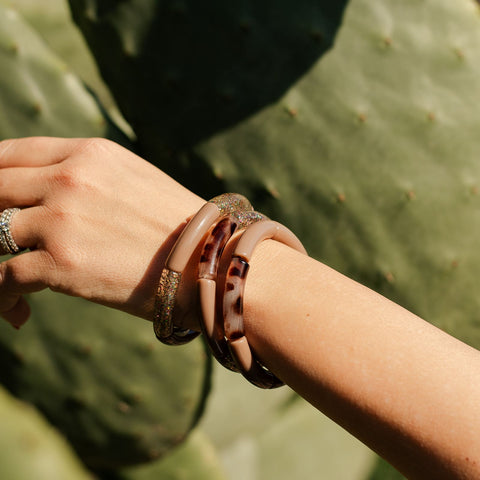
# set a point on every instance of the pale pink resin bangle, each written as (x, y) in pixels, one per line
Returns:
(177, 261)
(233, 325)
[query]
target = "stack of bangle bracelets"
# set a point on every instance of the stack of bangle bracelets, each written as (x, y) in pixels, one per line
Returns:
(221, 320)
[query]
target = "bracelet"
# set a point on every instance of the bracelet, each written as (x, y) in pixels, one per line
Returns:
(207, 282)
(226, 339)
(234, 330)
(177, 260)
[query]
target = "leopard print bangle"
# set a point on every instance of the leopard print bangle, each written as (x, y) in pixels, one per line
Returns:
(207, 281)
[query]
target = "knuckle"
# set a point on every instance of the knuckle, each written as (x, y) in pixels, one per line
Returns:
(70, 177)
(58, 221)
(80, 170)
(94, 147)
(65, 177)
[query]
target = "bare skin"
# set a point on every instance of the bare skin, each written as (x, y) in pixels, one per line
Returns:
(99, 219)
(99, 222)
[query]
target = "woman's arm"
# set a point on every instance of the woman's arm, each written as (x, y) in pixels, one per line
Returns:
(405, 388)
(100, 222)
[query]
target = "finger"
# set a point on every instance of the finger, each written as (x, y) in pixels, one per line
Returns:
(36, 151)
(18, 314)
(21, 187)
(26, 273)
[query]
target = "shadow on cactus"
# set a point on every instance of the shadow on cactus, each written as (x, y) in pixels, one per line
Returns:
(191, 69)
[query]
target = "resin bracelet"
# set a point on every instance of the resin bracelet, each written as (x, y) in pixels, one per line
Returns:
(207, 282)
(182, 251)
(233, 325)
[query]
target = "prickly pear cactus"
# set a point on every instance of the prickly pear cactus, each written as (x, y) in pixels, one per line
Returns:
(30, 448)
(196, 458)
(39, 95)
(102, 378)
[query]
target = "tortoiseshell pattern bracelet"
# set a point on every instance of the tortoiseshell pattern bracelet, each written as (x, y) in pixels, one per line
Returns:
(182, 251)
(233, 326)
(207, 281)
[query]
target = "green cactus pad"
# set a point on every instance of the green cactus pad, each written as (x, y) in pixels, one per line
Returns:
(195, 459)
(53, 23)
(30, 448)
(190, 69)
(39, 95)
(101, 377)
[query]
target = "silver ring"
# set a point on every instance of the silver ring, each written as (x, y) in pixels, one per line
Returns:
(7, 242)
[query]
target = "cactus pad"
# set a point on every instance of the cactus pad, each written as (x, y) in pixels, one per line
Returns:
(39, 95)
(30, 448)
(103, 379)
(195, 459)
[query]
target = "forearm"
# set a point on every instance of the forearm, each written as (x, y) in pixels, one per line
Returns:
(405, 388)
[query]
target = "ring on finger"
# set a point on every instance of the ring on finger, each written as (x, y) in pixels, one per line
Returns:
(7, 243)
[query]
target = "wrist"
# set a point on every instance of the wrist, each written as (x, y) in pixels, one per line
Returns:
(167, 229)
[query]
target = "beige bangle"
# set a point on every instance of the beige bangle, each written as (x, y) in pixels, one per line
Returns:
(233, 326)
(182, 251)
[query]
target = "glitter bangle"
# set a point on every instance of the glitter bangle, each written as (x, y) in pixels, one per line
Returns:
(182, 251)
(233, 326)
(207, 281)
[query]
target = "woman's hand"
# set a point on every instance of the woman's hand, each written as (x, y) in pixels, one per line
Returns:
(98, 222)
